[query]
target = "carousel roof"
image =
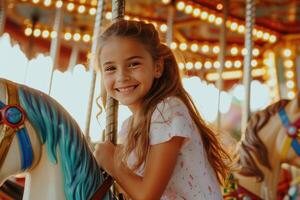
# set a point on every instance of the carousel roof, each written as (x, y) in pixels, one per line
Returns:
(196, 29)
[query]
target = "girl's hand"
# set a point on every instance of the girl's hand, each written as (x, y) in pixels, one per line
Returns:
(104, 154)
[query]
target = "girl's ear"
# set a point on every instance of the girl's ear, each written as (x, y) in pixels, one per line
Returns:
(159, 68)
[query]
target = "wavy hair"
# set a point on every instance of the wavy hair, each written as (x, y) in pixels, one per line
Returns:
(169, 84)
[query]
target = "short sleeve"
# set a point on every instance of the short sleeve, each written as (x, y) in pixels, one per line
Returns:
(170, 118)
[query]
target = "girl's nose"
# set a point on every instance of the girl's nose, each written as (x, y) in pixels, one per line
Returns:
(123, 75)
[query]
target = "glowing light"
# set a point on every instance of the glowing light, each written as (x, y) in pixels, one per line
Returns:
(181, 66)
(288, 63)
(59, 4)
(180, 5)
(86, 37)
(237, 64)
(188, 9)
(76, 37)
(211, 18)
(163, 27)
(253, 63)
(234, 51)
(92, 11)
(266, 36)
(81, 9)
(108, 15)
(207, 65)
(234, 26)
(166, 1)
(219, 21)
(228, 64)
(28, 31)
(35, 1)
(68, 36)
(289, 74)
(255, 52)
(37, 32)
(45, 33)
(273, 38)
(70, 6)
(47, 3)
(287, 53)
(244, 51)
(53, 34)
(196, 12)
(198, 65)
(217, 65)
(205, 48)
(259, 34)
(219, 6)
(204, 15)
(194, 47)
(290, 84)
(173, 45)
(183, 46)
(241, 29)
(189, 65)
(291, 94)
(216, 49)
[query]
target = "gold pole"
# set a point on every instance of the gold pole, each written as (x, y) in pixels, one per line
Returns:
(250, 17)
(92, 63)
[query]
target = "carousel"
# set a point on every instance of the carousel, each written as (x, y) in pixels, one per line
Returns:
(238, 59)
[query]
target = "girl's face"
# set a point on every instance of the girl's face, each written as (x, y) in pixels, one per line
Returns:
(128, 70)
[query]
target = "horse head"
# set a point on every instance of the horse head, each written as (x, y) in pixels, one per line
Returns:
(39, 138)
(271, 138)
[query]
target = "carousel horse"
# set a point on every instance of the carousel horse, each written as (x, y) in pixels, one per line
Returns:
(272, 137)
(40, 139)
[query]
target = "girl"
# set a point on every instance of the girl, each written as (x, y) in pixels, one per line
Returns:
(167, 151)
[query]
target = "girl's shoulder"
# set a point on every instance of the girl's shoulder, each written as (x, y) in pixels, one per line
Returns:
(168, 107)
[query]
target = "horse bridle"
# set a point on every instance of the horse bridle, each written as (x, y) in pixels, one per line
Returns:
(292, 130)
(13, 119)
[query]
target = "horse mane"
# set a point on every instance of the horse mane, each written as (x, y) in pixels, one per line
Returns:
(252, 143)
(63, 138)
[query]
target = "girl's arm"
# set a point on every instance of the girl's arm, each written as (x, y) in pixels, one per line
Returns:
(159, 167)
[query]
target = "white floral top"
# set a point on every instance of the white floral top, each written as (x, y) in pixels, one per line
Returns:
(193, 177)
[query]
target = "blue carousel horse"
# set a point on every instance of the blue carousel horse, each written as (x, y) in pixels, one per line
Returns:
(40, 139)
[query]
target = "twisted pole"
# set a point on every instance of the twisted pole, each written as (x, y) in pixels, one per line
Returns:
(250, 17)
(2, 16)
(221, 59)
(91, 66)
(55, 42)
(118, 12)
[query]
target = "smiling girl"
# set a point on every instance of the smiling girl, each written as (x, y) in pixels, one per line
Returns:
(167, 151)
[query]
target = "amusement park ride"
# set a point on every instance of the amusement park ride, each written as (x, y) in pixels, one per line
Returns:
(238, 41)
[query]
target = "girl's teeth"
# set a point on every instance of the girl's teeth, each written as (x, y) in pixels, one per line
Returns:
(126, 89)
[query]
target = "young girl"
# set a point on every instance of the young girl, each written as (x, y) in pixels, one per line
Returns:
(167, 150)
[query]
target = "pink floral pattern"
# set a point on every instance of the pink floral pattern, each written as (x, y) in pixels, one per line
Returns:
(193, 177)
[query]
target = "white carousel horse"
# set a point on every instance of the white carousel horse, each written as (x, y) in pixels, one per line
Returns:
(271, 138)
(39, 138)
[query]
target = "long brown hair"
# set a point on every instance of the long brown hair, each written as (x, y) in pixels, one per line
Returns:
(169, 84)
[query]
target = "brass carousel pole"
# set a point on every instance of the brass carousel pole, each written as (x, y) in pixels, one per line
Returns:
(118, 12)
(170, 23)
(73, 58)
(2, 16)
(221, 58)
(55, 42)
(250, 17)
(96, 33)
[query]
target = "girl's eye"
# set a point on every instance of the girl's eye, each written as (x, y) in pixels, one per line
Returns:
(134, 64)
(109, 68)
